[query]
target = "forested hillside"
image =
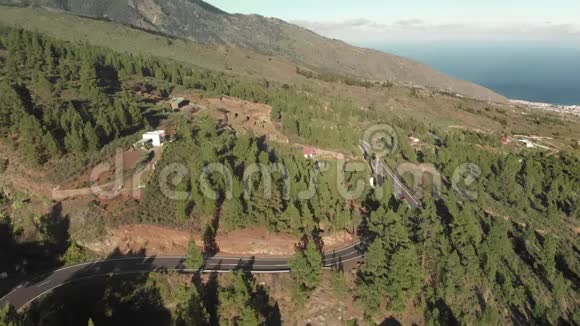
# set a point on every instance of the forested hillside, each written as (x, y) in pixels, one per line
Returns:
(508, 252)
(59, 99)
(202, 23)
(243, 198)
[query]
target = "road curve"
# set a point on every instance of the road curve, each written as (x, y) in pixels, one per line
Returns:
(379, 168)
(409, 197)
(29, 291)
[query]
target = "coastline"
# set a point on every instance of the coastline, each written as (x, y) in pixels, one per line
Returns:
(558, 108)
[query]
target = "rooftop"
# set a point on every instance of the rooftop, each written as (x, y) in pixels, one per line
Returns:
(155, 133)
(178, 100)
(309, 151)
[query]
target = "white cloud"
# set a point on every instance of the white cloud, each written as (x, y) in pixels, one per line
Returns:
(409, 23)
(362, 29)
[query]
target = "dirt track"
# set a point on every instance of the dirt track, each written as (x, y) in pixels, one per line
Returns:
(109, 190)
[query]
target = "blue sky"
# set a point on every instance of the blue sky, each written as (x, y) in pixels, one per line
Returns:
(375, 20)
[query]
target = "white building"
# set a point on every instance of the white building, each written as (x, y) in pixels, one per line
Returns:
(157, 137)
(414, 140)
(309, 153)
(529, 143)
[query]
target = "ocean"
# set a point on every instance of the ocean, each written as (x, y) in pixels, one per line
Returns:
(537, 72)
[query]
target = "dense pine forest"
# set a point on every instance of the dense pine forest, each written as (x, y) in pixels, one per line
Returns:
(247, 199)
(509, 253)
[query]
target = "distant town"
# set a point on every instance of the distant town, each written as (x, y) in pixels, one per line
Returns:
(569, 109)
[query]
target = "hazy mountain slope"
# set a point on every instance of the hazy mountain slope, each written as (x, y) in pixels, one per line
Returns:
(200, 22)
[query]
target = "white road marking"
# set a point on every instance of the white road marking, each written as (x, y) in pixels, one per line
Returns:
(396, 179)
(42, 284)
(283, 268)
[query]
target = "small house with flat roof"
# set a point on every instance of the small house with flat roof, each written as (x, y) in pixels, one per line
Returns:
(157, 138)
(309, 153)
(178, 102)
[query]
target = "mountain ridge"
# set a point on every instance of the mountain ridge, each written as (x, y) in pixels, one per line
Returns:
(201, 22)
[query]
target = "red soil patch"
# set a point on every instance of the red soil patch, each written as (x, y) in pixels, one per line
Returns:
(162, 241)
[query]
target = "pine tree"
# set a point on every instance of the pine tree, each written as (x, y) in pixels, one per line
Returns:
(12, 108)
(121, 118)
(75, 141)
(16, 47)
(194, 258)
(497, 246)
(176, 76)
(160, 73)
(372, 282)
(12, 68)
(190, 310)
(43, 88)
(50, 145)
(104, 128)
(404, 276)
(466, 228)
(35, 53)
(292, 216)
(342, 220)
(548, 257)
(135, 115)
(91, 137)
(233, 215)
(306, 267)
(236, 302)
(307, 224)
(431, 234)
(276, 219)
(533, 176)
(182, 204)
(31, 140)
(50, 57)
(88, 77)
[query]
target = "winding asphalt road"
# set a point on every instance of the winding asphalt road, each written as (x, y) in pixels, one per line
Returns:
(382, 169)
(31, 290)
(379, 168)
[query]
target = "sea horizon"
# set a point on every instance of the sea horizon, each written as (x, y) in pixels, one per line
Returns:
(541, 72)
